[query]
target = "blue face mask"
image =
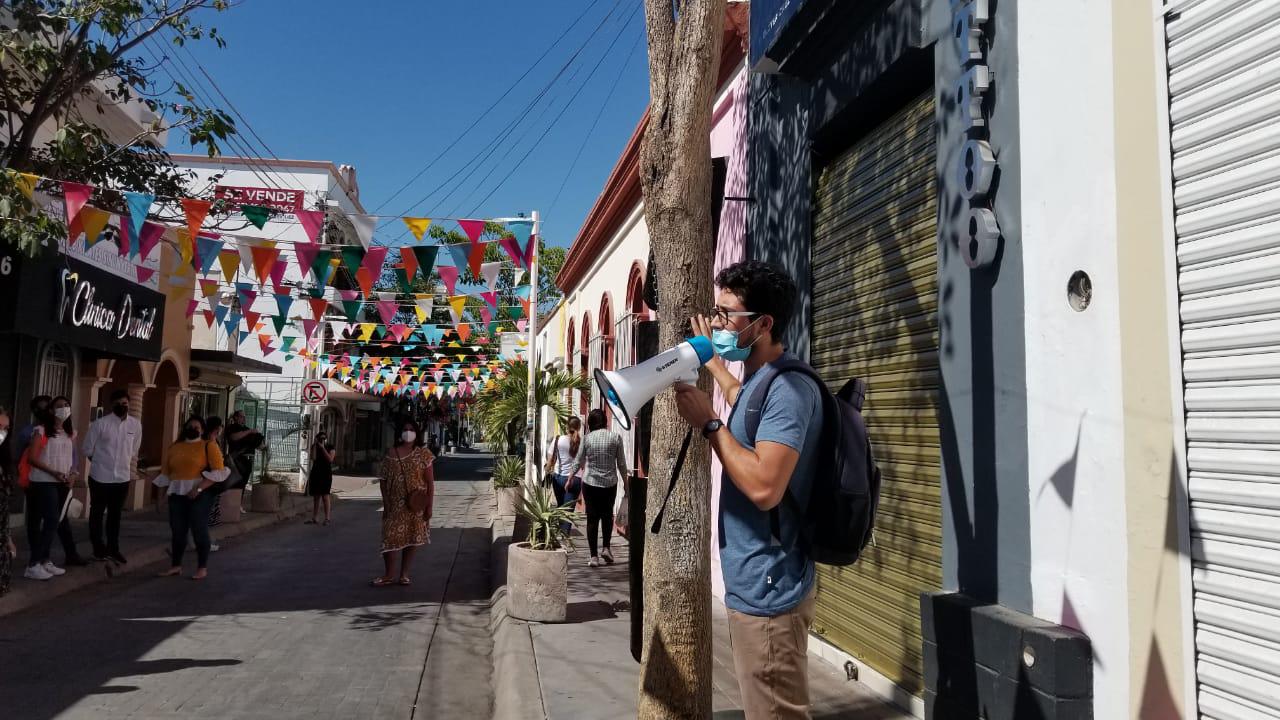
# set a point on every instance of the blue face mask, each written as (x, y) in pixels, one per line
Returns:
(726, 345)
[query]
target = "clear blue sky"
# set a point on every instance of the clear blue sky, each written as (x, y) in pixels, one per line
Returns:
(385, 86)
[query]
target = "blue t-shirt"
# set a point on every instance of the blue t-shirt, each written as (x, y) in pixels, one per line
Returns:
(762, 577)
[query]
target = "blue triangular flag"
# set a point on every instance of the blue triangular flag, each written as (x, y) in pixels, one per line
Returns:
(460, 254)
(139, 205)
(283, 302)
(244, 334)
(522, 229)
(207, 250)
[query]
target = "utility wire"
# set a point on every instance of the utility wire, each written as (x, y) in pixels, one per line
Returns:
(483, 114)
(585, 140)
(553, 122)
(518, 115)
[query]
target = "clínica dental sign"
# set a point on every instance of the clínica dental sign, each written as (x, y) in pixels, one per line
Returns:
(79, 307)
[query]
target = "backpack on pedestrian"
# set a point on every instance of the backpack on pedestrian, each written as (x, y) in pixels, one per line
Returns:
(839, 520)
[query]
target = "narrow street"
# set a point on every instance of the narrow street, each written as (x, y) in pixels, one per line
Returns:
(286, 626)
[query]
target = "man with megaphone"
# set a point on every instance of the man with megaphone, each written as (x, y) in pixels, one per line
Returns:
(768, 574)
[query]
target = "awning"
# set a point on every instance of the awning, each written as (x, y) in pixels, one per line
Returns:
(229, 361)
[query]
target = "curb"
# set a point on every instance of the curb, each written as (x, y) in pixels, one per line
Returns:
(141, 560)
(517, 692)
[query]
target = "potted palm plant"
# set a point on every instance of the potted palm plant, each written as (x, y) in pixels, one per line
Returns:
(268, 491)
(538, 569)
(508, 473)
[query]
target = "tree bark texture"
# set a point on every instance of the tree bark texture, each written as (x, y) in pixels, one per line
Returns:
(675, 172)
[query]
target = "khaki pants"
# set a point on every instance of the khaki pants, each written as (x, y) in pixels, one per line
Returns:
(771, 660)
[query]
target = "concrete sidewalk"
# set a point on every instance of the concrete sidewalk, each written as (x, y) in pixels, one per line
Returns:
(583, 667)
(144, 537)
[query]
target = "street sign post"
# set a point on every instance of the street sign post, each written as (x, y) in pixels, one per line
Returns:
(315, 392)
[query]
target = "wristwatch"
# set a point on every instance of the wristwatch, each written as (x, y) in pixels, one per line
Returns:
(712, 426)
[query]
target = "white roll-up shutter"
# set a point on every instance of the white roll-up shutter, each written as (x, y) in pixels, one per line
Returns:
(1224, 103)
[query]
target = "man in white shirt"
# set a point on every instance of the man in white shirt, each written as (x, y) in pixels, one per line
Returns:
(112, 444)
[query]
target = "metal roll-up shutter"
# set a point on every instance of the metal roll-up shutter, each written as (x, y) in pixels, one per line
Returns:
(875, 299)
(1224, 107)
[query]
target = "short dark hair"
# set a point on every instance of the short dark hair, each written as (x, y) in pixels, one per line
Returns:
(119, 394)
(595, 420)
(39, 400)
(763, 288)
(212, 423)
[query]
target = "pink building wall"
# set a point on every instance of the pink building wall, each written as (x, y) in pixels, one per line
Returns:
(728, 140)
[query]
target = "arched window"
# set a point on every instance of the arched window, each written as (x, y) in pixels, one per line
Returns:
(57, 364)
(584, 361)
(570, 362)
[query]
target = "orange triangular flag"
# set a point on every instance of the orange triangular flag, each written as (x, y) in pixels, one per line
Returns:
(464, 331)
(365, 280)
(410, 262)
(476, 257)
(195, 211)
(263, 259)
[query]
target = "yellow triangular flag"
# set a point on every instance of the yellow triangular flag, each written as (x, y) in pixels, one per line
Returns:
(185, 245)
(230, 262)
(455, 303)
(417, 226)
(366, 331)
(26, 182)
(422, 314)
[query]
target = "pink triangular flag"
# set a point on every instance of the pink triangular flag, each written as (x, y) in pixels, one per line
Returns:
(528, 250)
(191, 307)
(486, 315)
(306, 257)
(76, 196)
(520, 325)
(144, 274)
(151, 234)
(373, 260)
(277, 274)
(490, 299)
(449, 275)
(309, 326)
(512, 246)
(311, 221)
(473, 228)
(387, 309)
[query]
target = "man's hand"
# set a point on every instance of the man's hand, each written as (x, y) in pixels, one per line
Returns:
(702, 326)
(694, 405)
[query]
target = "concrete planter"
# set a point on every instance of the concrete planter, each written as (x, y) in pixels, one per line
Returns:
(508, 500)
(537, 583)
(231, 508)
(265, 498)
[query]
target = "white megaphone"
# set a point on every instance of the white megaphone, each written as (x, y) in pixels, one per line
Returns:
(628, 389)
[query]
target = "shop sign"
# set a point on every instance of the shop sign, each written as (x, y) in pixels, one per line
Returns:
(976, 165)
(64, 299)
(284, 200)
(768, 19)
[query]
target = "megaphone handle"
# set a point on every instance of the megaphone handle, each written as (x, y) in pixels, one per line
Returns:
(690, 379)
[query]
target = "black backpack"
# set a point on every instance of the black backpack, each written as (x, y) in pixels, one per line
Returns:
(840, 518)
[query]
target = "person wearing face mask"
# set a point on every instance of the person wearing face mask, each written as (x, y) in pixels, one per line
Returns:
(112, 445)
(768, 573)
(405, 470)
(51, 454)
(193, 466)
(320, 479)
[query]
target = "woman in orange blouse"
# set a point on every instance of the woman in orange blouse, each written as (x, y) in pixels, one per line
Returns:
(193, 466)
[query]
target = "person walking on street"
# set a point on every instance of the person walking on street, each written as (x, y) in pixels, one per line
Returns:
(563, 463)
(51, 455)
(320, 479)
(405, 471)
(111, 444)
(213, 434)
(7, 549)
(242, 442)
(768, 572)
(601, 461)
(39, 405)
(193, 466)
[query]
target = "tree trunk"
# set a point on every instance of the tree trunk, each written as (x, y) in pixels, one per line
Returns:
(675, 173)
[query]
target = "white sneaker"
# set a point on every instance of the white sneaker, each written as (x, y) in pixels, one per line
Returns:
(53, 570)
(214, 547)
(607, 556)
(593, 562)
(37, 572)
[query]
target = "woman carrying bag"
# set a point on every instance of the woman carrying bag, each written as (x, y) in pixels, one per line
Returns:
(193, 466)
(407, 482)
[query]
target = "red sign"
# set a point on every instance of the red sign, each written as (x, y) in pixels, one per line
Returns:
(289, 201)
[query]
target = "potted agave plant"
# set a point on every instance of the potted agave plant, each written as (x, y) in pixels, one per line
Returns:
(538, 569)
(268, 491)
(508, 472)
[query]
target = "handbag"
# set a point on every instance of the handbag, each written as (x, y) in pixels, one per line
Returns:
(33, 451)
(418, 500)
(549, 470)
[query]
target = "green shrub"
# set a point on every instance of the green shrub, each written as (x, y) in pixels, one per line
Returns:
(508, 472)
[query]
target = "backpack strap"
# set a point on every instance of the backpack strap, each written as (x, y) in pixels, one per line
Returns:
(755, 408)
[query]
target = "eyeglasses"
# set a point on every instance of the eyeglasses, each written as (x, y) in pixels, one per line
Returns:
(727, 316)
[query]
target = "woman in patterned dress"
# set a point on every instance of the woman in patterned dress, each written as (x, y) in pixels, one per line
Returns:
(405, 469)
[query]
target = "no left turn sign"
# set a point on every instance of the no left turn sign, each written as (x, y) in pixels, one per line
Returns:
(315, 392)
